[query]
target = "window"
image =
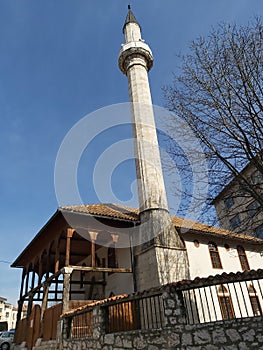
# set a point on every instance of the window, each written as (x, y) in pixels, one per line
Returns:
(7, 314)
(229, 202)
(256, 308)
(215, 258)
(235, 222)
(259, 231)
(256, 177)
(253, 208)
(243, 258)
(225, 303)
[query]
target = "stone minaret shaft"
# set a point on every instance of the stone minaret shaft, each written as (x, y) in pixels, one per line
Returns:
(135, 60)
(157, 236)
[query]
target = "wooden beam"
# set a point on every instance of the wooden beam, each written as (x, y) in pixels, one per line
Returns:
(44, 307)
(77, 268)
(100, 269)
(42, 284)
(51, 299)
(87, 283)
(44, 301)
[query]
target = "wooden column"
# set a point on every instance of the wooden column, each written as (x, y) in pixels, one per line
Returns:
(48, 263)
(33, 279)
(40, 270)
(115, 239)
(30, 304)
(66, 288)
(93, 237)
(21, 301)
(20, 309)
(70, 232)
(22, 283)
(57, 256)
(27, 281)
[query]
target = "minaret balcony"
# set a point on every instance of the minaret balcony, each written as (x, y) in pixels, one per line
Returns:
(138, 48)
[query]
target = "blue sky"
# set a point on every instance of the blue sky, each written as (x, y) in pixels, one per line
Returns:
(58, 63)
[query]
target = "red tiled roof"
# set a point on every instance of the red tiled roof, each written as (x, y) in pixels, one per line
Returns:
(120, 212)
(106, 210)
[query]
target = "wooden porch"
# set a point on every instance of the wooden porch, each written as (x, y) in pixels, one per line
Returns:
(65, 267)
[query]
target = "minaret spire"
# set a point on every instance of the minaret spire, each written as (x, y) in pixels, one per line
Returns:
(130, 18)
(159, 242)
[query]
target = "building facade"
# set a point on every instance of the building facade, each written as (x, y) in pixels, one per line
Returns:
(8, 314)
(100, 264)
(236, 208)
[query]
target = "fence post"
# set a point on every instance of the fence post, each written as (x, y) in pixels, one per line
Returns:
(174, 309)
(63, 331)
(98, 322)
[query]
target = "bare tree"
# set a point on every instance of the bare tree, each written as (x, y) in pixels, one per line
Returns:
(219, 93)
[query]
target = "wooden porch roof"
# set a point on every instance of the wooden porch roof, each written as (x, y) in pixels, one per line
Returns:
(118, 216)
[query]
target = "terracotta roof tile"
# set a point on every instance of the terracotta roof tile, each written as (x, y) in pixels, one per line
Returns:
(96, 303)
(184, 224)
(121, 212)
(111, 210)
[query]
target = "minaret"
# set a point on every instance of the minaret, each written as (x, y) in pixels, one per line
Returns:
(160, 255)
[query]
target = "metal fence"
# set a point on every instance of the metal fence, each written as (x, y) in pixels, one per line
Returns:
(223, 301)
(216, 298)
(81, 324)
(137, 312)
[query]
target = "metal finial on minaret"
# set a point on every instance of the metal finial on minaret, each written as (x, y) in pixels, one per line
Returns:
(159, 242)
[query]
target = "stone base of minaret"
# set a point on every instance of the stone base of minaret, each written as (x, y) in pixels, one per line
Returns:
(160, 254)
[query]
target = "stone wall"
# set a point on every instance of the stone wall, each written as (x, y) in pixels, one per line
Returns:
(176, 333)
(235, 334)
(239, 334)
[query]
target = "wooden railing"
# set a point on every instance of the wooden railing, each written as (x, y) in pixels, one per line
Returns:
(30, 329)
(21, 331)
(50, 320)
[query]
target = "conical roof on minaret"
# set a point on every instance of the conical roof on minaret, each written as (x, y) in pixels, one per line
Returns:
(130, 18)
